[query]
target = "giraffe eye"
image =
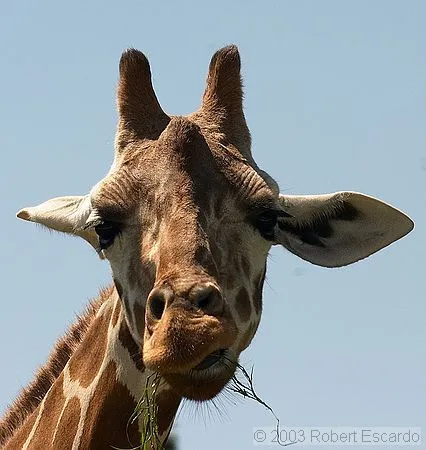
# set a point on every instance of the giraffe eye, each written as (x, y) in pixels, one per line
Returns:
(266, 223)
(107, 231)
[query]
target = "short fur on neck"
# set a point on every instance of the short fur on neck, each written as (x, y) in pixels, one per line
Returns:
(31, 396)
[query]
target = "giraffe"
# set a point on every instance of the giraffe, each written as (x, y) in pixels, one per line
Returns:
(186, 219)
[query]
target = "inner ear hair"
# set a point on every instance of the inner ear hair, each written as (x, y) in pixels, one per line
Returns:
(318, 225)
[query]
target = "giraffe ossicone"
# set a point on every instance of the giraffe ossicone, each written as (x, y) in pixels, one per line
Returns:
(186, 219)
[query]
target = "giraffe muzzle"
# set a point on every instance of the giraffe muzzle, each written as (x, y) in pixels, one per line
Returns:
(189, 330)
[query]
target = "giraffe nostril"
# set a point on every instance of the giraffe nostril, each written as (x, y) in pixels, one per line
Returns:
(208, 299)
(204, 301)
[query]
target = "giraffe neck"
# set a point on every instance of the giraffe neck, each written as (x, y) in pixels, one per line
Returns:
(92, 400)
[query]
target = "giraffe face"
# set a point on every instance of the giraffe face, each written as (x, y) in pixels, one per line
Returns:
(186, 219)
(185, 225)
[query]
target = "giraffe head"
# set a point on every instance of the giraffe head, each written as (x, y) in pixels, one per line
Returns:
(186, 219)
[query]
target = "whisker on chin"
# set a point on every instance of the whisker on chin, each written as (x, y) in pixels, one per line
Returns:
(209, 411)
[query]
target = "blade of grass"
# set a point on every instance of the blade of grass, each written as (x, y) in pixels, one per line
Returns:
(245, 388)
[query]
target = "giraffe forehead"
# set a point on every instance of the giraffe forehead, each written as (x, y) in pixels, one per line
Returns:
(186, 165)
(211, 184)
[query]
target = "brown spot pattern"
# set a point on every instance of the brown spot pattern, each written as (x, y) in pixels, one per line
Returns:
(257, 296)
(67, 427)
(32, 395)
(242, 304)
(139, 313)
(53, 405)
(168, 403)
(111, 407)
(88, 357)
(130, 345)
(245, 265)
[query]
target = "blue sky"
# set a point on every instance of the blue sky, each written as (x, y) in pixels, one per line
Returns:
(335, 100)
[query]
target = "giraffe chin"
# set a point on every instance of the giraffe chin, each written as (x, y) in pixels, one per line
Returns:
(202, 384)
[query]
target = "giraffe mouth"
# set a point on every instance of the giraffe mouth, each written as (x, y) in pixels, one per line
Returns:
(210, 360)
(206, 379)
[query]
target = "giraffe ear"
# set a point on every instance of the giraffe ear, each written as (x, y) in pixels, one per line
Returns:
(65, 214)
(334, 230)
